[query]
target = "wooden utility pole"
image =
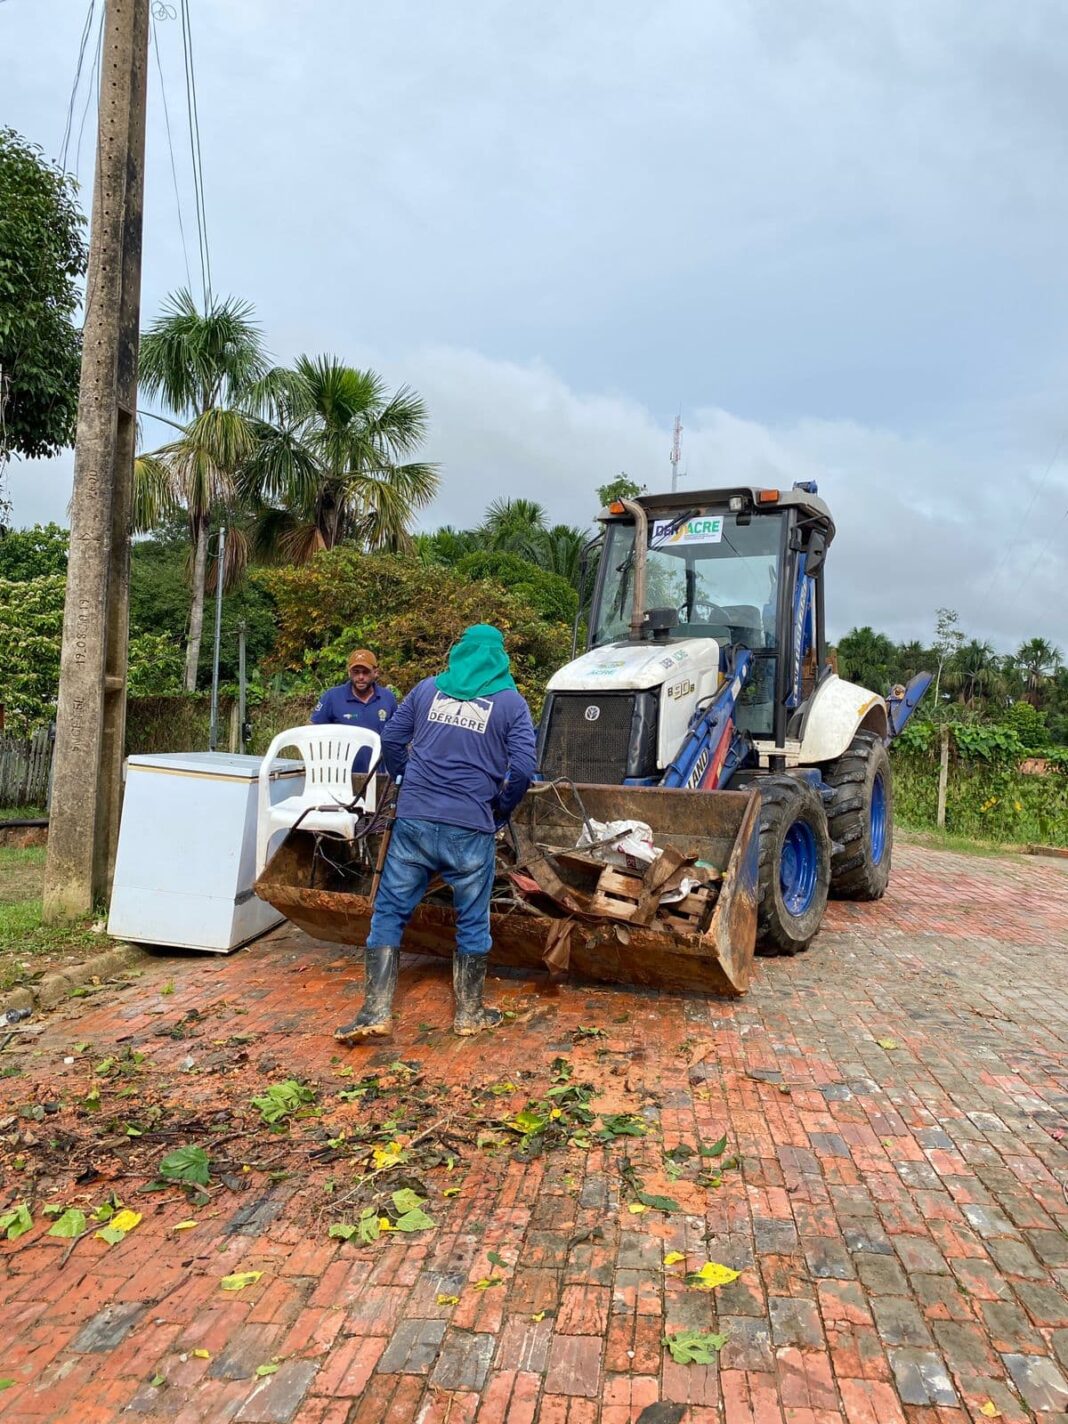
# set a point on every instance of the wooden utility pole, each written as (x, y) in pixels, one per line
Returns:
(92, 683)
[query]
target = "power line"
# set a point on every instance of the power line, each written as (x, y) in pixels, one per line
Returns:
(94, 82)
(194, 150)
(170, 147)
(86, 29)
(1011, 548)
(1045, 548)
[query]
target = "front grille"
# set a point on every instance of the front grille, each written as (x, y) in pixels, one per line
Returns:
(587, 748)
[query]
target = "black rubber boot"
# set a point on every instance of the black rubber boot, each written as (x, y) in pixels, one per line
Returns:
(375, 1019)
(468, 979)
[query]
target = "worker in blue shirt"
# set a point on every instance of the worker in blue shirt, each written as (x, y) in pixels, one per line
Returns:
(464, 743)
(360, 702)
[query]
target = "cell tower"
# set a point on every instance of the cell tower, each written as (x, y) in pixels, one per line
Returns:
(676, 452)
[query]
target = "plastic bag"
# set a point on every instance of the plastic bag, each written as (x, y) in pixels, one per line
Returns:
(628, 844)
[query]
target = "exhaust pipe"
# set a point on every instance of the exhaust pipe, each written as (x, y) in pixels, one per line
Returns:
(641, 540)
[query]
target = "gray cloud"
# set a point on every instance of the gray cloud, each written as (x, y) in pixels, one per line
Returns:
(831, 232)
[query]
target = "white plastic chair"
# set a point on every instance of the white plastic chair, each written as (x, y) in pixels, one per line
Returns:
(328, 752)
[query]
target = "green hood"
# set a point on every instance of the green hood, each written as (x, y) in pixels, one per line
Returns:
(478, 665)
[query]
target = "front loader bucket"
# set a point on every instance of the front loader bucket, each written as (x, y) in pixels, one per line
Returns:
(325, 889)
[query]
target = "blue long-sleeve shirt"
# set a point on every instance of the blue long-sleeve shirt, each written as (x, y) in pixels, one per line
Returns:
(464, 763)
(340, 704)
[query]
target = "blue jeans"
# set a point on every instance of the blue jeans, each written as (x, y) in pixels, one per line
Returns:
(418, 850)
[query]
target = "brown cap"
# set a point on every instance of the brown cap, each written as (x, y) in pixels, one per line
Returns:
(362, 657)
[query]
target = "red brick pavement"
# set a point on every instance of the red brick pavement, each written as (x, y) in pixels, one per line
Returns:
(898, 1219)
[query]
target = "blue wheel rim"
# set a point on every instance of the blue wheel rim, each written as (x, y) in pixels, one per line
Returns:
(878, 819)
(798, 868)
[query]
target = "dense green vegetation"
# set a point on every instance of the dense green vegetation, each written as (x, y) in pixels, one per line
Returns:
(40, 346)
(1023, 693)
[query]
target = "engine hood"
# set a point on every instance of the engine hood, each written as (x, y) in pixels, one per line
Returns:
(636, 667)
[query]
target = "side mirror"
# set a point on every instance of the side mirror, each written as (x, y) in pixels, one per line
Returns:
(815, 552)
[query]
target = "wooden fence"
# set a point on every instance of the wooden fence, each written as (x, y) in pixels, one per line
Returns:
(25, 765)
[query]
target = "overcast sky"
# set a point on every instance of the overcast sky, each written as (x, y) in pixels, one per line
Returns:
(832, 233)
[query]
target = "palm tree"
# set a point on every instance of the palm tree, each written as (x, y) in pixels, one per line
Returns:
(913, 657)
(512, 526)
(974, 671)
(1037, 661)
(865, 656)
(446, 545)
(328, 464)
(202, 365)
(559, 551)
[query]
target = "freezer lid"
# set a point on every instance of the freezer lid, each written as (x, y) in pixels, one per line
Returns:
(228, 766)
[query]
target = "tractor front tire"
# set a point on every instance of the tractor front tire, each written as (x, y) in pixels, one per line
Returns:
(861, 819)
(795, 865)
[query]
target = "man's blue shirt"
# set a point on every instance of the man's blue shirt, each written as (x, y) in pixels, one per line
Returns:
(464, 763)
(340, 704)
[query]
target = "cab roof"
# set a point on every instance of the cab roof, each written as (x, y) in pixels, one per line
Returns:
(662, 506)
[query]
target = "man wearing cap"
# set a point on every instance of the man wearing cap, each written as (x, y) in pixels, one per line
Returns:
(360, 702)
(464, 743)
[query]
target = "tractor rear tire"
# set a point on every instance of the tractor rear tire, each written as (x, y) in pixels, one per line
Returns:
(861, 819)
(795, 865)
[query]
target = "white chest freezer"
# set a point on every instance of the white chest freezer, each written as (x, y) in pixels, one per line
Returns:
(186, 858)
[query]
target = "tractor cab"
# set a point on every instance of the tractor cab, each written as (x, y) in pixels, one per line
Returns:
(685, 584)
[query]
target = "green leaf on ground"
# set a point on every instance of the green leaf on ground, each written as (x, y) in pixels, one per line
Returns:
(658, 1203)
(6, 1383)
(693, 1347)
(157, 1381)
(496, 1259)
(187, 1164)
(53, 1209)
(281, 1100)
(71, 1223)
(368, 1229)
(488, 1282)
(407, 1200)
(263, 1370)
(342, 1231)
(888, 1043)
(16, 1222)
(414, 1220)
(622, 1125)
(717, 1149)
(528, 1123)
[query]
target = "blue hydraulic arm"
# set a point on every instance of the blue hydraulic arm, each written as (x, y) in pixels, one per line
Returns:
(903, 701)
(712, 750)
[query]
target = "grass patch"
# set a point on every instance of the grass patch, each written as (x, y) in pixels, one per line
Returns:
(963, 845)
(21, 874)
(27, 946)
(22, 813)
